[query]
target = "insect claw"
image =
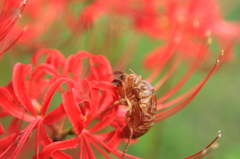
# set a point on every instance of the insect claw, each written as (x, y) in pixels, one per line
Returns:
(132, 71)
(123, 153)
(104, 112)
(109, 108)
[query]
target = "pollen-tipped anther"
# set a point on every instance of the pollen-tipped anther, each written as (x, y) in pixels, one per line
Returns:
(222, 52)
(215, 145)
(219, 133)
(209, 37)
(208, 148)
(85, 117)
(218, 60)
(209, 40)
(204, 151)
(25, 28)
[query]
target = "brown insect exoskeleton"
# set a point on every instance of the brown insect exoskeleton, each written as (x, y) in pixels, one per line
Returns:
(139, 95)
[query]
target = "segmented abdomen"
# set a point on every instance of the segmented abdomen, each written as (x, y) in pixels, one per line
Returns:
(142, 118)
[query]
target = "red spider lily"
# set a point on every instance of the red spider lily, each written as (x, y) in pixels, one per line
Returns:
(86, 91)
(40, 16)
(140, 12)
(86, 94)
(87, 16)
(191, 22)
(11, 11)
(189, 25)
(159, 18)
(182, 25)
(199, 17)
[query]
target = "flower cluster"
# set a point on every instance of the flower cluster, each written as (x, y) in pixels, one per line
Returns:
(86, 92)
(11, 12)
(55, 106)
(84, 95)
(178, 26)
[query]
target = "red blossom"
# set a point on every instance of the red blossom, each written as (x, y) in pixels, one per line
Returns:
(158, 19)
(56, 103)
(188, 26)
(11, 11)
(182, 25)
(39, 16)
(85, 95)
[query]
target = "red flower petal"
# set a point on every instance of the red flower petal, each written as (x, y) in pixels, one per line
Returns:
(20, 72)
(115, 140)
(100, 68)
(83, 89)
(158, 58)
(10, 13)
(127, 155)
(10, 92)
(105, 136)
(90, 14)
(105, 121)
(38, 80)
(99, 149)
(1, 129)
(49, 94)
(38, 140)
(15, 126)
(94, 105)
(47, 69)
(60, 154)
(54, 57)
(46, 140)
(13, 150)
(73, 111)
(108, 87)
(48, 150)
(87, 150)
(96, 140)
(101, 101)
(12, 109)
(54, 115)
(191, 95)
(185, 77)
(5, 142)
(84, 92)
(73, 64)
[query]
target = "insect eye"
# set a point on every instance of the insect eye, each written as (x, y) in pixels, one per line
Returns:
(116, 83)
